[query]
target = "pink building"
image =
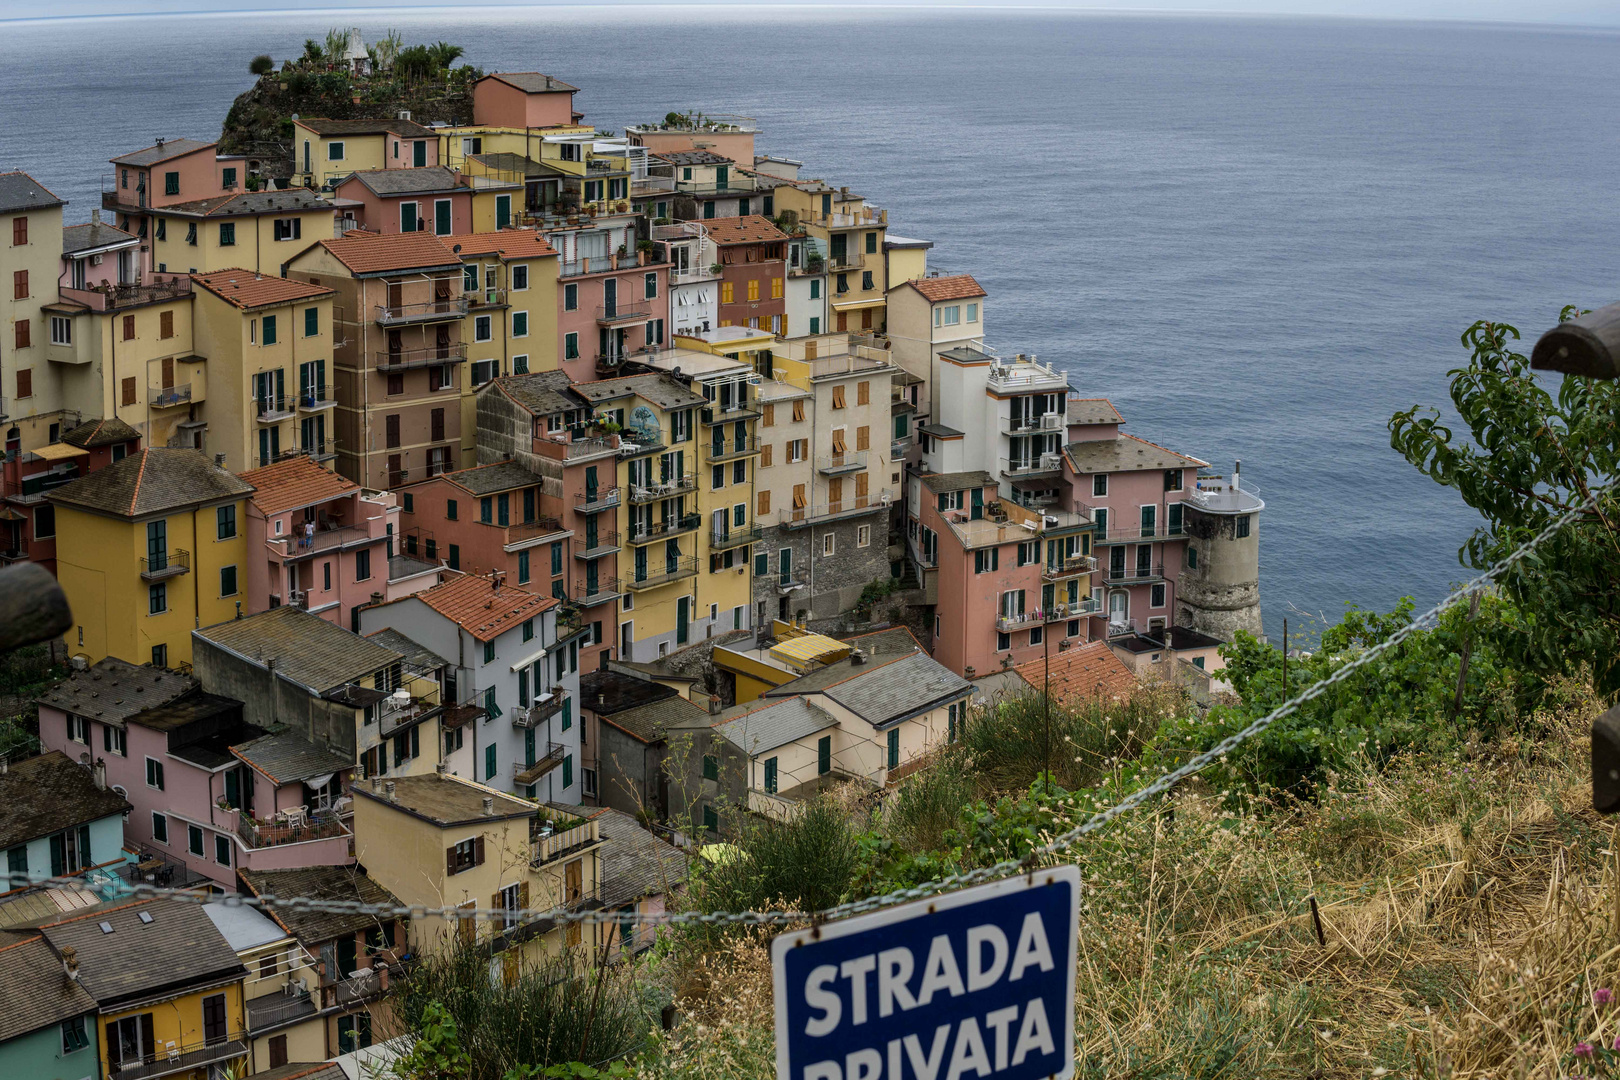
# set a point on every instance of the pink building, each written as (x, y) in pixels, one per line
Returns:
(200, 810)
(524, 99)
(611, 303)
(316, 540)
(1007, 583)
(27, 520)
(431, 199)
(171, 171)
(98, 254)
(489, 517)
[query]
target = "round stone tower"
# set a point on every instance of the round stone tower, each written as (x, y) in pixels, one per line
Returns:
(1218, 591)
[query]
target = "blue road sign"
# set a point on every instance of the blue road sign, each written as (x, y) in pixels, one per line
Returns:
(966, 985)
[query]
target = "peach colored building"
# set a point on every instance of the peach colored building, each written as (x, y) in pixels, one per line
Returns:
(98, 254)
(431, 199)
(611, 304)
(523, 99)
(753, 272)
(316, 540)
(489, 517)
(170, 171)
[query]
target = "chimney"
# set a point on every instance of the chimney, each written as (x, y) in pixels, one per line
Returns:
(442, 768)
(70, 963)
(376, 783)
(489, 806)
(968, 673)
(95, 216)
(1237, 467)
(714, 704)
(100, 773)
(219, 460)
(601, 699)
(388, 790)
(856, 658)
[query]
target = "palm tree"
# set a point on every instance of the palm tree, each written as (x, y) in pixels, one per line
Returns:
(444, 54)
(312, 51)
(337, 45)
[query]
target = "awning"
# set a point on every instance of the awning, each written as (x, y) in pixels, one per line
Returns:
(810, 648)
(856, 305)
(319, 782)
(60, 452)
(527, 660)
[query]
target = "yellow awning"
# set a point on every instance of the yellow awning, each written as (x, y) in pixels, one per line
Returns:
(856, 305)
(807, 649)
(60, 452)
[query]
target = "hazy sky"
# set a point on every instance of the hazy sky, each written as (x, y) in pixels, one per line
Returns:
(1578, 12)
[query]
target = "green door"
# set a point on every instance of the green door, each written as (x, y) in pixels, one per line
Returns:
(590, 483)
(503, 211)
(894, 748)
(824, 755)
(978, 504)
(419, 153)
(441, 217)
(590, 578)
(722, 176)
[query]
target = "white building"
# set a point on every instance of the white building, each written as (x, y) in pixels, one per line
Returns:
(694, 285)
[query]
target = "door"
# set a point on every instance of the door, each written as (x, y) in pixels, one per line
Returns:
(641, 564)
(1144, 560)
(441, 217)
(503, 211)
(419, 154)
(214, 1028)
(610, 298)
(786, 557)
(1116, 608)
(839, 245)
(590, 532)
(1116, 563)
(682, 615)
(396, 298)
(574, 880)
(590, 483)
(977, 508)
(157, 544)
(591, 585)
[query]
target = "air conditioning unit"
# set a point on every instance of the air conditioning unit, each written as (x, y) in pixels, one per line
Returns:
(1051, 421)
(95, 260)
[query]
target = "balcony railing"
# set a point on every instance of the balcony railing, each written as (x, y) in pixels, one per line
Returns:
(728, 449)
(604, 542)
(1078, 609)
(1008, 622)
(664, 489)
(321, 825)
(593, 446)
(1136, 533)
(591, 500)
(323, 539)
(1070, 566)
(735, 536)
(559, 837)
(181, 1057)
(116, 297)
(161, 397)
(550, 759)
(898, 448)
(166, 565)
(629, 311)
(589, 593)
(394, 360)
(1026, 376)
(540, 711)
(692, 275)
(268, 408)
(852, 260)
(866, 217)
(452, 307)
(316, 396)
(664, 573)
(736, 185)
(1023, 425)
(520, 532)
(838, 464)
(485, 298)
(736, 409)
(1134, 573)
(645, 532)
(809, 514)
(601, 264)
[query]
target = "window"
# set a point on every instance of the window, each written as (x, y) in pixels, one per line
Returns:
(863, 536)
(1241, 527)
(489, 652)
(1036, 636)
(520, 277)
(278, 1051)
(1157, 599)
(570, 346)
(19, 284)
(157, 599)
(520, 324)
(894, 748)
(972, 313)
(827, 545)
(986, 560)
(61, 330)
(44, 522)
(1192, 557)
(1003, 642)
(465, 855)
(113, 739)
(571, 297)
(171, 183)
(867, 281)
(312, 322)
(362, 564)
(717, 478)
(409, 217)
(154, 773)
(1172, 480)
(19, 231)
(78, 729)
(17, 859)
(483, 328)
(227, 236)
(489, 763)
(651, 286)
(74, 1036)
(222, 850)
(838, 397)
(824, 755)
(270, 332)
(225, 522)
(191, 234)
(1099, 484)
(711, 820)
(449, 509)
(194, 840)
(711, 767)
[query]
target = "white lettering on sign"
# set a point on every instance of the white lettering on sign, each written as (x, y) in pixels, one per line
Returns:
(971, 1053)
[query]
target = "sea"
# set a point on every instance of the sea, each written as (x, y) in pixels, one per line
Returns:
(1258, 236)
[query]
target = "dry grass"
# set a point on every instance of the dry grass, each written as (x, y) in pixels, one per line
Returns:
(1467, 909)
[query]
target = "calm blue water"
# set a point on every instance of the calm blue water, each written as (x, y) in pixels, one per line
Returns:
(1259, 237)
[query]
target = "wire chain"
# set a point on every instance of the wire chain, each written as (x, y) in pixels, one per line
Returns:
(575, 913)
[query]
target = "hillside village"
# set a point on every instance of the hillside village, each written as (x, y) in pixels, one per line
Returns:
(501, 513)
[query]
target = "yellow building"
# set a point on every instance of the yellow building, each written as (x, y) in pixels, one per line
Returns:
(439, 840)
(849, 235)
(148, 550)
(268, 341)
(686, 467)
(509, 279)
(328, 150)
(167, 986)
(31, 391)
(258, 230)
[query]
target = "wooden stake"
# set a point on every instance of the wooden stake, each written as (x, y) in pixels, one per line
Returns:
(1316, 917)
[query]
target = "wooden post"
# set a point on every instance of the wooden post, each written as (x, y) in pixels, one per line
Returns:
(1467, 647)
(1316, 917)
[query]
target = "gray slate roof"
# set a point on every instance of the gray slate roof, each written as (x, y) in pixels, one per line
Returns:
(288, 757)
(248, 203)
(153, 481)
(34, 993)
(516, 163)
(488, 479)
(1125, 453)
(96, 234)
(169, 148)
(899, 690)
(606, 692)
(541, 393)
(940, 483)
(424, 181)
(635, 863)
(19, 191)
(694, 157)
(662, 390)
(760, 729)
(942, 431)
(180, 947)
(648, 723)
(416, 654)
(408, 129)
(312, 928)
(93, 433)
(114, 690)
(47, 794)
(881, 647)
(305, 647)
(1093, 411)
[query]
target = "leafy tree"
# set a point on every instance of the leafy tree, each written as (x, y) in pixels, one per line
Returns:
(312, 51)
(414, 64)
(443, 54)
(1529, 455)
(262, 65)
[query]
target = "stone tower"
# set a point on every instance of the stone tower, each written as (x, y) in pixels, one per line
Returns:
(1218, 592)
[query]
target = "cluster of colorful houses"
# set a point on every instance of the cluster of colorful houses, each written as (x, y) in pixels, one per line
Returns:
(436, 521)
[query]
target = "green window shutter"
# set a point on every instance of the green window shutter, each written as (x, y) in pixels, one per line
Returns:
(894, 748)
(58, 855)
(489, 652)
(711, 767)
(567, 713)
(270, 339)
(711, 820)
(312, 321)
(824, 755)
(568, 770)
(523, 568)
(871, 243)
(489, 761)
(770, 775)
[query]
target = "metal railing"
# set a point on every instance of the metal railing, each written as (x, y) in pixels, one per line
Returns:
(166, 564)
(564, 836)
(850, 260)
(589, 594)
(322, 825)
(1076, 610)
(590, 447)
(727, 449)
(550, 759)
(735, 536)
(1134, 573)
(1130, 534)
(1022, 425)
(403, 314)
(847, 462)
(173, 1057)
(271, 407)
(485, 297)
(114, 297)
(160, 397)
(692, 275)
(600, 264)
(664, 489)
(1026, 375)
(811, 513)
(405, 359)
(737, 409)
(591, 500)
(663, 573)
(605, 542)
(520, 531)
(635, 309)
(1069, 566)
(868, 216)
(540, 711)
(324, 538)
(316, 396)
(645, 532)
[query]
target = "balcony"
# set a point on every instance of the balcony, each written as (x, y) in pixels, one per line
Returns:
(274, 1010)
(865, 218)
(898, 448)
(320, 825)
(589, 593)
(601, 264)
(440, 310)
(1006, 623)
(592, 500)
(1070, 566)
(544, 708)
(316, 397)
(325, 538)
(735, 536)
(589, 546)
(166, 565)
(325, 450)
(1028, 425)
(561, 836)
(521, 534)
(1078, 610)
(733, 448)
(163, 397)
(1026, 376)
(664, 489)
(550, 759)
(728, 412)
(1136, 534)
(811, 514)
(645, 532)
(157, 290)
(430, 356)
(671, 570)
(180, 1058)
(1220, 495)
(271, 408)
(852, 260)
(635, 311)
(736, 185)
(481, 298)
(839, 464)
(583, 449)
(692, 275)
(1133, 574)
(1049, 464)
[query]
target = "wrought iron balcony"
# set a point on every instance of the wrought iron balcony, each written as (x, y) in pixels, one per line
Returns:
(588, 546)
(737, 409)
(733, 448)
(315, 397)
(735, 536)
(166, 565)
(553, 757)
(1070, 566)
(161, 397)
(663, 489)
(839, 464)
(591, 593)
(438, 310)
(630, 311)
(592, 500)
(1134, 573)
(664, 573)
(269, 408)
(394, 360)
(645, 532)
(539, 712)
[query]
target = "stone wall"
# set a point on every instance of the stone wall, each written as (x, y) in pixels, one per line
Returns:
(1221, 595)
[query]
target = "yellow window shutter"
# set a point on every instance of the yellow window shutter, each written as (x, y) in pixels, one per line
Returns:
(835, 490)
(765, 456)
(798, 411)
(753, 289)
(769, 417)
(838, 397)
(776, 288)
(863, 393)
(838, 441)
(725, 292)
(798, 496)
(764, 503)
(860, 485)
(863, 438)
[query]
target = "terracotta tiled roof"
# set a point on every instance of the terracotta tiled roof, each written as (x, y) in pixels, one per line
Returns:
(507, 243)
(1081, 674)
(163, 151)
(752, 229)
(473, 603)
(296, 482)
(376, 254)
(532, 82)
(153, 481)
(955, 287)
(247, 289)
